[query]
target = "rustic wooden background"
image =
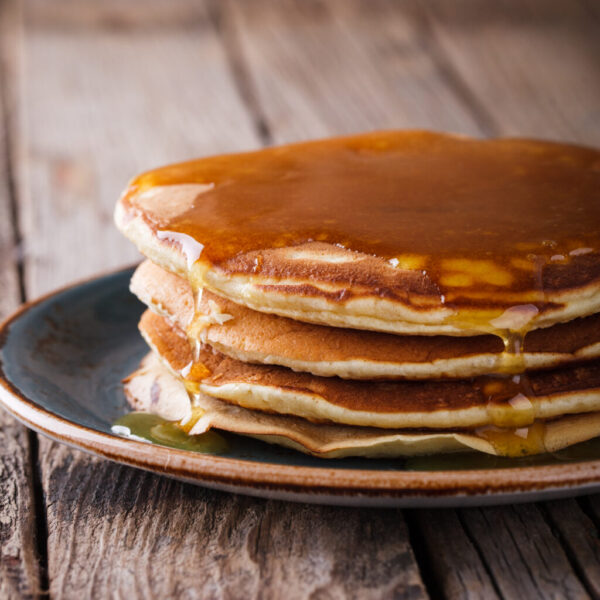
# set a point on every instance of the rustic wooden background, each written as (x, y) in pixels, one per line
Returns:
(93, 92)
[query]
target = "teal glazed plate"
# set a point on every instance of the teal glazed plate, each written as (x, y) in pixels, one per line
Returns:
(62, 359)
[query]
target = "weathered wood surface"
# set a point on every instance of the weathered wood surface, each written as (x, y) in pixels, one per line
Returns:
(100, 104)
(111, 88)
(20, 575)
(444, 542)
(323, 68)
(531, 66)
(523, 556)
(134, 535)
(577, 528)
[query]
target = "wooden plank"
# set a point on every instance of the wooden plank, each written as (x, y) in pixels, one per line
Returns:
(98, 107)
(114, 530)
(532, 551)
(579, 535)
(9, 253)
(323, 68)
(101, 105)
(454, 561)
(532, 64)
(20, 575)
(523, 556)
(19, 567)
(151, 537)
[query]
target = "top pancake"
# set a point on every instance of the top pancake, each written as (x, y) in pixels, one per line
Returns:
(406, 232)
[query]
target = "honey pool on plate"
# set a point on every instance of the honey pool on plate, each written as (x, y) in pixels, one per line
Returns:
(153, 429)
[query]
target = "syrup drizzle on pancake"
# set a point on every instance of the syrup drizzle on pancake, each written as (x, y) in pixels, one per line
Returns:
(473, 216)
(467, 213)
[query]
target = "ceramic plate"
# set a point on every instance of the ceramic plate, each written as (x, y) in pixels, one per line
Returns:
(62, 359)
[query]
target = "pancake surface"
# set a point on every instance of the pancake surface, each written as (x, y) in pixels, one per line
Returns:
(349, 232)
(255, 337)
(390, 405)
(152, 388)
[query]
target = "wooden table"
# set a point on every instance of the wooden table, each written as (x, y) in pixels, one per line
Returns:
(93, 92)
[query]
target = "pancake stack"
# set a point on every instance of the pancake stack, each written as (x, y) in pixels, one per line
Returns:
(386, 294)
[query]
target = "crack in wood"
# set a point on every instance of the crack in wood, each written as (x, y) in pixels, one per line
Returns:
(240, 72)
(456, 570)
(10, 29)
(424, 561)
(40, 512)
(452, 76)
(473, 540)
(524, 556)
(569, 528)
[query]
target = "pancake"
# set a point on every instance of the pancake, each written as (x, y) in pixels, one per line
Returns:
(255, 337)
(464, 403)
(401, 232)
(152, 388)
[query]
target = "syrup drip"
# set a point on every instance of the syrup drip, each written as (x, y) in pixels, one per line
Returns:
(194, 330)
(194, 417)
(514, 442)
(510, 396)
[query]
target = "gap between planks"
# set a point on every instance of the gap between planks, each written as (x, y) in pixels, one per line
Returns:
(239, 70)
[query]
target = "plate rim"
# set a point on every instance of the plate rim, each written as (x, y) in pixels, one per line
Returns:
(214, 470)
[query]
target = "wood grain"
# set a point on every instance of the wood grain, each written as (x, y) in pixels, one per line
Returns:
(525, 559)
(151, 537)
(579, 536)
(533, 64)
(19, 569)
(99, 106)
(455, 563)
(323, 68)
